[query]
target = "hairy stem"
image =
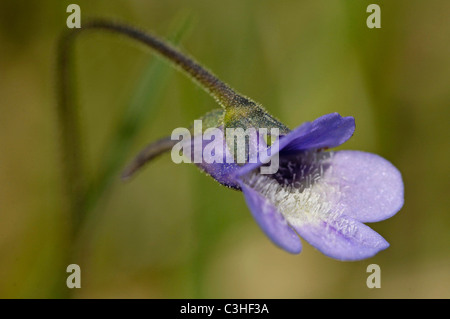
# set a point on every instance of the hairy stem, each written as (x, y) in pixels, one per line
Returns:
(224, 95)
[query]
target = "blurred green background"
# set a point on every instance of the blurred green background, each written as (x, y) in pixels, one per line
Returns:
(172, 232)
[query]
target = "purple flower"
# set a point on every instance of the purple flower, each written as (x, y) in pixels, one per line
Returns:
(323, 196)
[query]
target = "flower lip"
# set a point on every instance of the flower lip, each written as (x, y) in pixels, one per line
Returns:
(271, 221)
(327, 131)
(336, 193)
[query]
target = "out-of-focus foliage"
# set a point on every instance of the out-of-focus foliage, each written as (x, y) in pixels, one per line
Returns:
(172, 232)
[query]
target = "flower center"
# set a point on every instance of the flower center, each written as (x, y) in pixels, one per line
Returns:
(298, 189)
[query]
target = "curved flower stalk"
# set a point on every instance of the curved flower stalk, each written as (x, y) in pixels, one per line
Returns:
(323, 196)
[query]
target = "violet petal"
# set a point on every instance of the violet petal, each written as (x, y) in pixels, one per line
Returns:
(367, 187)
(342, 238)
(327, 131)
(271, 221)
